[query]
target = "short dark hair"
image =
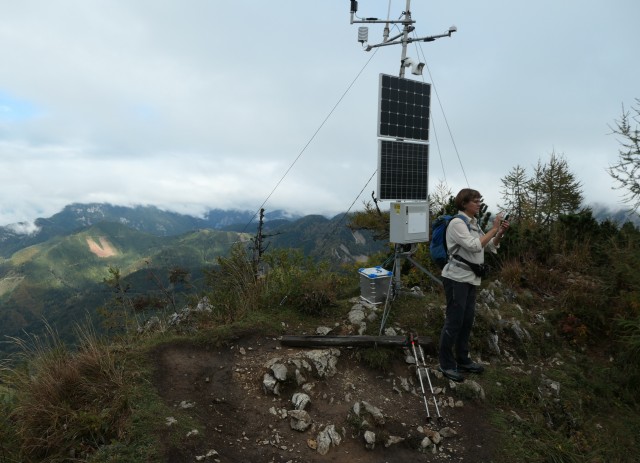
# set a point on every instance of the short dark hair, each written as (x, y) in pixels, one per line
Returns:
(465, 196)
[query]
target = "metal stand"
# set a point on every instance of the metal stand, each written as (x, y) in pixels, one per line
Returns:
(408, 255)
(395, 282)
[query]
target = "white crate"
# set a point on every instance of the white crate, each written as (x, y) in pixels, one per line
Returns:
(374, 284)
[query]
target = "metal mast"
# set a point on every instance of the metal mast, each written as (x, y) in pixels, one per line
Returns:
(408, 27)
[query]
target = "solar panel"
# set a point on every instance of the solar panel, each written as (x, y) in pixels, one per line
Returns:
(403, 170)
(403, 108)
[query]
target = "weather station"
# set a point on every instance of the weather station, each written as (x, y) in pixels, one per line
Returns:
(403, 142)
(403, 179)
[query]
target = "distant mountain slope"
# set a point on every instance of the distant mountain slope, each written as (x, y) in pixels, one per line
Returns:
(62, 279)
(321, 238)
(148, 219)
(618, 216)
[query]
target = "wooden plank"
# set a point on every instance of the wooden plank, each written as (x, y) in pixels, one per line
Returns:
(351, 341)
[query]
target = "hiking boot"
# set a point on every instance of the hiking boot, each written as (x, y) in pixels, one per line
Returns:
(471, 367)
(453, 375)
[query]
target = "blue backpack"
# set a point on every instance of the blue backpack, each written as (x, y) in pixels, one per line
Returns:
(438, 245)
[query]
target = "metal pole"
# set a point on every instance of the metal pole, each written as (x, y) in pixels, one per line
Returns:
(397, 266)
(416, 264)
(405, 36)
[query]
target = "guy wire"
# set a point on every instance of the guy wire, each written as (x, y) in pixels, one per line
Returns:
(420, 52)
(344, 216)
(310, 140)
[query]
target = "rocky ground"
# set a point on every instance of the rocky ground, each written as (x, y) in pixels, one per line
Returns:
(259, 401)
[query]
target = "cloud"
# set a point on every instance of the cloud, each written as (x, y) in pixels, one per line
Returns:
(24, 228)
(188, 108)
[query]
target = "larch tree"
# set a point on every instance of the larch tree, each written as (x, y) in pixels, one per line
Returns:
(552, 190)
(514, 192)
(440, 198)
(626, 172)
(559, 191)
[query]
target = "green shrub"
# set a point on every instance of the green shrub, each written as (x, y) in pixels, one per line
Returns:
(630, 339)
(377, 358)
(234, 287)
(298, 282)
(288, 280)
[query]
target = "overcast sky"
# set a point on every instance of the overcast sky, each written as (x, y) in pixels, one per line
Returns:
(200, 104)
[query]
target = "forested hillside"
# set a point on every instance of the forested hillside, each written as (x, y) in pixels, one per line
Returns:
(61, 278)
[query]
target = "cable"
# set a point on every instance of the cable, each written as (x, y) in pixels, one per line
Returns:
(330, 233)
(453, 141)
(310, 140)
(420, 52)
(335, 227)
(435, 134)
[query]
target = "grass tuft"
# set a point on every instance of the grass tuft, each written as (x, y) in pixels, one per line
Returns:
(66, 403)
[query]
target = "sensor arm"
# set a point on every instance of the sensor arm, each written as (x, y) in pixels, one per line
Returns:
(371, 47)
(395, 41)
(379, 21)
(431, 38)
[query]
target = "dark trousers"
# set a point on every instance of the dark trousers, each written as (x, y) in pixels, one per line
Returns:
(461, 309)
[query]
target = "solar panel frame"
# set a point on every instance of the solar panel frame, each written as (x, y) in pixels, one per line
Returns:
(403, 108)
(403, 170)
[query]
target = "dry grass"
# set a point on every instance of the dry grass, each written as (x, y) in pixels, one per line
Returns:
(66, 403)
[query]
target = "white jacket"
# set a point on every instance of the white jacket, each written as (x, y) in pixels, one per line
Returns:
(465, 243)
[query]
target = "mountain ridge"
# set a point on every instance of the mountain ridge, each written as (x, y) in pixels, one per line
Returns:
(150, 219)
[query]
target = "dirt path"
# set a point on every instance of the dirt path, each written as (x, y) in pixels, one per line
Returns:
(222, 389)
